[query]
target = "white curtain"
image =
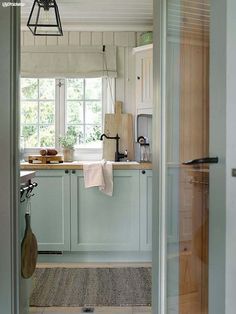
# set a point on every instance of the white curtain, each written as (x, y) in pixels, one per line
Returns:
(58, 62)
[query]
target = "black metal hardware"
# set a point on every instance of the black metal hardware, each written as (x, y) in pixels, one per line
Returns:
(88, 310)
(45, 10)
(143, 171)
(51, 252)
(138, 77)
(28, 189)
(204, 160)
(118, 155)
(73, 171)
(66, 171)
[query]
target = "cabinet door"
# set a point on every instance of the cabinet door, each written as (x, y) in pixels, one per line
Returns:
(51, 210)
(103, 223)
(144, 80)
(146, 210)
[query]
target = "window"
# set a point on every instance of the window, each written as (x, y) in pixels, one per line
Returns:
(38, 112)
(49, 107)
(84, 108)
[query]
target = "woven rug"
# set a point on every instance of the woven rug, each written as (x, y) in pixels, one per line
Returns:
(128, 286)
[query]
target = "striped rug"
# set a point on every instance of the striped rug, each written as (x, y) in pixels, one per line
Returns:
(126, 286)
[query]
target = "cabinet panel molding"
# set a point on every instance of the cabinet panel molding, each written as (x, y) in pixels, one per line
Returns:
(100, 222)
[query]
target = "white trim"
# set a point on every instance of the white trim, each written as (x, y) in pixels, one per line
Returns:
(142, 48)
(162, 179)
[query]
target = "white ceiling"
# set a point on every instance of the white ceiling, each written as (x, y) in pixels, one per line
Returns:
(127, 15)
(192, 16)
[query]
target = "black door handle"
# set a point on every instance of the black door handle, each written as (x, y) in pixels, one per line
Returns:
(204, 160)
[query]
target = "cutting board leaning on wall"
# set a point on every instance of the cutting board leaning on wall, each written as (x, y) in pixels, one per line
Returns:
(121, 124)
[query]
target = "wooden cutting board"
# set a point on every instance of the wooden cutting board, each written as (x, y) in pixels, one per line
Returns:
(121, 124)
(29, 251)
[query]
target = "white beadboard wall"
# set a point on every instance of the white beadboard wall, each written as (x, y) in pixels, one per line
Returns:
(124, 41)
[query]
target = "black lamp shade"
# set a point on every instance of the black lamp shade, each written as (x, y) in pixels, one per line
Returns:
(44, 19)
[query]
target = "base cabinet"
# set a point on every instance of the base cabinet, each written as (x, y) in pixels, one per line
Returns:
(50, 217)
(101, 222)
(146, 210)
(67, 217)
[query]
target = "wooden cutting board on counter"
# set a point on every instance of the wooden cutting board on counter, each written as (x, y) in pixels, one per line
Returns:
(121, 124)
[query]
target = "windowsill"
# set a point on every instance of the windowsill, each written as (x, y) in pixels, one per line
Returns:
(80, 153)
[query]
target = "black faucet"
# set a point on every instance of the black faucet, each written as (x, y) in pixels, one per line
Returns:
(118, 155)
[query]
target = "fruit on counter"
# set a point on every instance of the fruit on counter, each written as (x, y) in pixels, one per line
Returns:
(48, 151)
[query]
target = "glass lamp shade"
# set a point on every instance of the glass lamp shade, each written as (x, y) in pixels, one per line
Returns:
(44, 19)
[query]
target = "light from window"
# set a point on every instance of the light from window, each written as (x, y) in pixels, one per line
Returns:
(38, 112)
(84, 108)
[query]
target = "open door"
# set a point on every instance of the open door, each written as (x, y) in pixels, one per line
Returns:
(187, 162)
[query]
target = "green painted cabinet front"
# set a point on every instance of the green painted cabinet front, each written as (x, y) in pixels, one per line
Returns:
(146, 210)
(51, 210)
(103, 223)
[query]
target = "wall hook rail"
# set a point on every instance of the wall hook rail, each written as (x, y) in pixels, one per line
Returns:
(27, 191)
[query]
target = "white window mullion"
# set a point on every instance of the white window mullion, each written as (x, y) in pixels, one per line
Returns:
(60, 109)
(84, 108)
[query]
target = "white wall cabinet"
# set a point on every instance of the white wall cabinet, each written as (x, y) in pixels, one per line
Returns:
(144, 79)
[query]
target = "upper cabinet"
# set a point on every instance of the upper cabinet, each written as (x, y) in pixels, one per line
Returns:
(144, 79)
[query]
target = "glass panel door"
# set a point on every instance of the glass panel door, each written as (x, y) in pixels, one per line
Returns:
(187, 143)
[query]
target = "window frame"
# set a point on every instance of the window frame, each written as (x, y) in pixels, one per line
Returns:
(82, 152)
(38, 101)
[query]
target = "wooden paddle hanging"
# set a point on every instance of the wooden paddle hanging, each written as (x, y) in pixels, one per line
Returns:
(29, 249)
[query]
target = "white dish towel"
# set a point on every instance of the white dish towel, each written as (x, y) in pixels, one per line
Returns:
(99, 174)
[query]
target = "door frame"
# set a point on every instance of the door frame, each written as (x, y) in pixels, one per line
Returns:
(9, 166)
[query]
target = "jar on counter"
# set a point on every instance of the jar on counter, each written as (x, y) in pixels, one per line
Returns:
(145, 155)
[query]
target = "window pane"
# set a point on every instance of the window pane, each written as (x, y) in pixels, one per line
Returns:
(79, 130)
(74, 112)
(92, 133)
(93, 88)
(29, 88)
(93, 112)
(46, 112)
(75, 88)
(29, 112)
(30, 135)
(47, 136)
(47, 89)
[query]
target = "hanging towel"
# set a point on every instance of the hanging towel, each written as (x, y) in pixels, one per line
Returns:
(93, 175)
(108, 178)
(99, 174)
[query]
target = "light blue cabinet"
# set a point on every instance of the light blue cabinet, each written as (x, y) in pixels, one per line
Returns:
(67, 217)
(103, 223)
(50, 217)
(146, 210)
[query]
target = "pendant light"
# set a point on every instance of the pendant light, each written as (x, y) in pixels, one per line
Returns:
(44, 19)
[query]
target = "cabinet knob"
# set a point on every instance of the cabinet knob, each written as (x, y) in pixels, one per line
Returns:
(66, 171)
(73, 171)
(143, 171)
